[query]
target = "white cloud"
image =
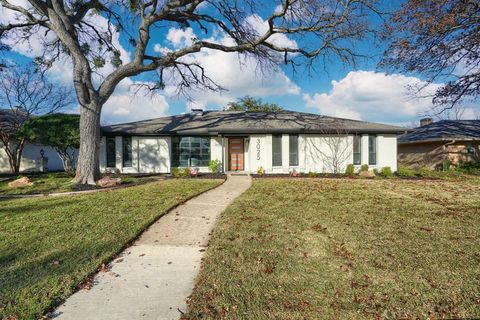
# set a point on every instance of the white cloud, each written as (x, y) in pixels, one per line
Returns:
(126, 105)
(374, 96)
(180, 37)
(239, 75)
(261, 27)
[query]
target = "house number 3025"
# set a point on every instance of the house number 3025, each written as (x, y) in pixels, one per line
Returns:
(258, 149)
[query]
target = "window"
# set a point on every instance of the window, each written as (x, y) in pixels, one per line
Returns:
(293, 150)
(471, 149)
(357, 150)
(372, 150)
(127, 151)
(277, 150)
(190, 151)
(111, 153)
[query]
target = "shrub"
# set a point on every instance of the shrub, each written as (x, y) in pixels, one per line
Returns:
(312, 174)
(446, 164)
(260, 171)
(404, 171)
(364, 167)
(387, 172)
(425, 172)
(214, 166)
(469, 168)
(180, 172)
(350, 170)
(375, 171)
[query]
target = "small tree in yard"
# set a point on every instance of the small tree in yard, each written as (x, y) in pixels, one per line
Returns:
(25, 93)
(60, 131)
(317, 29)
(335, 147)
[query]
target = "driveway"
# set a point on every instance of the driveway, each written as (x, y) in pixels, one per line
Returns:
(153, 278)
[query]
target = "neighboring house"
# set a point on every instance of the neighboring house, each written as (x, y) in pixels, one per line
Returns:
(245, 141)
(429, 145)
(31, 156)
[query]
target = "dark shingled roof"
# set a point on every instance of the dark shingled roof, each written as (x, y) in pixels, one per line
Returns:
(444, 130)
(240, 122)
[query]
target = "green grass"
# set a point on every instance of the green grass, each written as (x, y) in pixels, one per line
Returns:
(344, 249)
(42, 183)
(80, 232)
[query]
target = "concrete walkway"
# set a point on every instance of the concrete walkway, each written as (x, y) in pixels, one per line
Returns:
(152, 278)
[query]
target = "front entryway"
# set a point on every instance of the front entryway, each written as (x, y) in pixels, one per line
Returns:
(236, 154)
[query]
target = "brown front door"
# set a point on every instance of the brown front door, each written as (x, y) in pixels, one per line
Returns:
(235, 154)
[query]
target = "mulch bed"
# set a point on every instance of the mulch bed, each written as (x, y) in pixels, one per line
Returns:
(336, 176)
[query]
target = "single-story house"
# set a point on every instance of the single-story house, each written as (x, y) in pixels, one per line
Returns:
(32, 152)
(429, 145)
(277, 142)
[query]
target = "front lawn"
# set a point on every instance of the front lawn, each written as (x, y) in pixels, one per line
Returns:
(344, 249)
(44, 183)
(48, 246)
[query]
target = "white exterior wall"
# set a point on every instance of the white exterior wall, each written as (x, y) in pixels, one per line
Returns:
(387, 151)
(258, 154)
(321, 153)
(152, 154)
(31, 157)
(216, 150)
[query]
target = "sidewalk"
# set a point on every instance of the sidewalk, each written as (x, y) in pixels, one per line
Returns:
(152, 278)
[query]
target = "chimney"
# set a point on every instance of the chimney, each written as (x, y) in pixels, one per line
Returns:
(197, 112)
(425, 121)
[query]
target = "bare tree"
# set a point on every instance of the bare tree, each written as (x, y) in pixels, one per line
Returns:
(320, 28)
(334, 146)
(337, 149)
(25, 93)
(438, 39)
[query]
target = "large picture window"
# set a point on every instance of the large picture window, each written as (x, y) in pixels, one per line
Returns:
(372, 150)
(190, 151)
(277, 150)
(111, 153)
(357, 150)
(293, 150)
(127, 151)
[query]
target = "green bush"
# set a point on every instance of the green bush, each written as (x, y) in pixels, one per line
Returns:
(469, 168)
(364, 167)
(426, 172)
(350, 170)
(312, 174)
(446, 164)
(404, 171)
(180, 172)
(387, 172)
(376, 172)
(214, 166)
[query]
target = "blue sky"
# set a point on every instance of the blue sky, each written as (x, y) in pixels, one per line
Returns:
(364, 92)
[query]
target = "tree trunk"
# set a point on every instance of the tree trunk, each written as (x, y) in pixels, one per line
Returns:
(88, 169)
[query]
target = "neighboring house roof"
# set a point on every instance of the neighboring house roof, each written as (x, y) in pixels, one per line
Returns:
(240, 122)
(11, 120)
(445, 130)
